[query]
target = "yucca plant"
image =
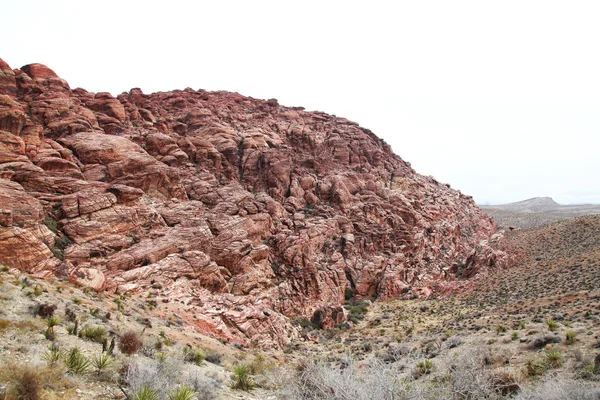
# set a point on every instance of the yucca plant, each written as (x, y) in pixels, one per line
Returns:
(102, 362)
(551, 324)
(570, 337)
(52, 356)
(76, 362)
(424, 367)
(534, 367)
(242, 379)
(145, 393)
(94, 333)
(554, 358)
(182, 393)
(51, 322)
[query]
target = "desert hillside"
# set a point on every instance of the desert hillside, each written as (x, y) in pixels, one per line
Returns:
(529, 332)
(240, 214)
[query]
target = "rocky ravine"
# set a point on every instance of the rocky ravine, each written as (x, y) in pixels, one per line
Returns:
(243, 212)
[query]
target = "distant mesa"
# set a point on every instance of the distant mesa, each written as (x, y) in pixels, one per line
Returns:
(536, 212)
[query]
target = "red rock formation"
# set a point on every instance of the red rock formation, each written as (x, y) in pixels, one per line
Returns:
(237, 212)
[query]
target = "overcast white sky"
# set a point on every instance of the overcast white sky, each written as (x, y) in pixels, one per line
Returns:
(501, 99)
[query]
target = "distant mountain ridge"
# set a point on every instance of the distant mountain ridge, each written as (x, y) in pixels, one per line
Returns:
(537, 212)
(547, 205)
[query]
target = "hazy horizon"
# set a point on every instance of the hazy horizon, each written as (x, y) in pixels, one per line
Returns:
(500, 100)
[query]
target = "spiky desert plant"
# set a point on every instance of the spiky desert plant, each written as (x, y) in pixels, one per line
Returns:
(145, 393)
(182, 393)
(52, 356)
(160, 357)
(51, 322)
(570, 337)
(76, 362)
(242, 379)
(94, 333)
(551, 324)
(554, 358)
(102, 361)
(534, 367)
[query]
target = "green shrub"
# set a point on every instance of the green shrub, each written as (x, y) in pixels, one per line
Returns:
(348, 294)
(519, 325)
(424, 367)
(94, 333)
(570, 337)
(356, 310)
(259, 365)
(534, 367)
(306, 323)
(554, 358)
(194, 356)
(51, 223)
(501, 329)
(37, 290)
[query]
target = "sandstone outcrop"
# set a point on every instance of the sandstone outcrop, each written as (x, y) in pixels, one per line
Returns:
(241, 214)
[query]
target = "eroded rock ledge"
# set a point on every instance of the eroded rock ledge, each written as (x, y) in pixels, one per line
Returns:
(243, 212)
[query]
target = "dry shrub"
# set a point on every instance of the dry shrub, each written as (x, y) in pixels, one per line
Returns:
(45, 310)
(556, 388)
(166, 375)
(24, 382)
(28, 382)
(468, 378)
(129, 343)
(347, 381)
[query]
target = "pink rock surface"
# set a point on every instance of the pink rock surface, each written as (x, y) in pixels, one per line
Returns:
(241, 213)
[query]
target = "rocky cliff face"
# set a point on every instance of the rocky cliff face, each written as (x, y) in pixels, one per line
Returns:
(241, 212)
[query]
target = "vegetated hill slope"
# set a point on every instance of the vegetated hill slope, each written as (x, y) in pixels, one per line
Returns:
(523, 220)
(512, 332)
(560, 260)
(236, 212)
(537, 212)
